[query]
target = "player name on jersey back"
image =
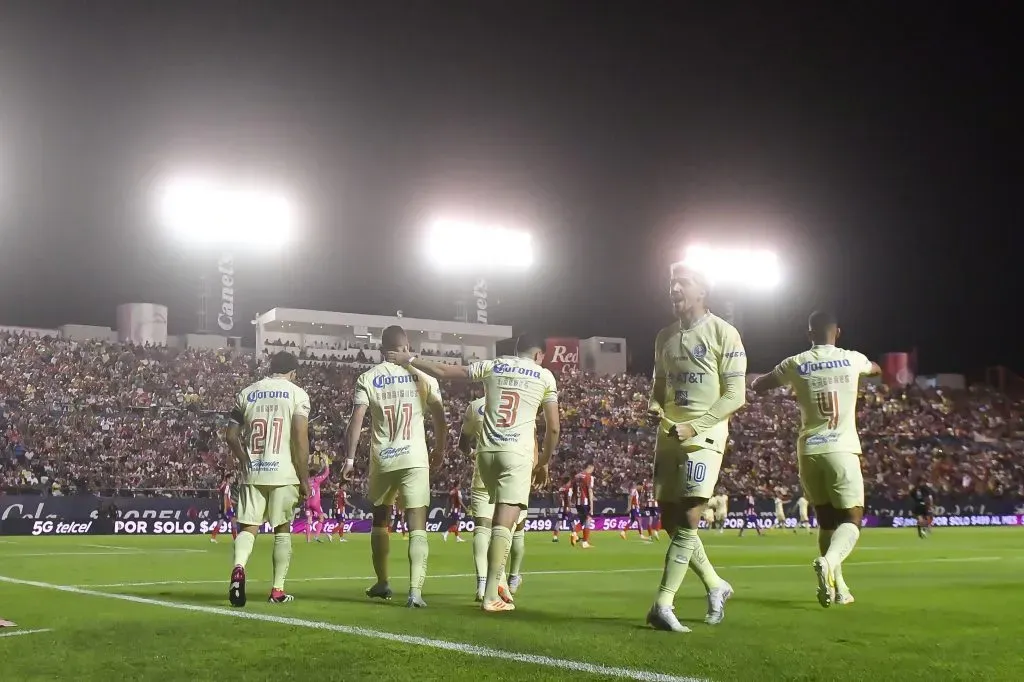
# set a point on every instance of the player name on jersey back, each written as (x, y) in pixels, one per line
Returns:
(514, 390)
(265, 410)
(695, 363)
(825, 380)
(397, 398)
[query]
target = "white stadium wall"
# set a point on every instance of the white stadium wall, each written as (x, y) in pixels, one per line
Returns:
(142, 323)
(86, 332)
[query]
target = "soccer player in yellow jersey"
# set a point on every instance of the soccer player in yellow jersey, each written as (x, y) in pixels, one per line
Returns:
(825, 380)
(516, 388)
(699, 372)
(803, 517)
(482, 510)
(269, 437)
(398, 398)
(720, 502)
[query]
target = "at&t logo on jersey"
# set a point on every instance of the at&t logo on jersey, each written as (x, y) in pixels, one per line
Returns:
(503, 368)
(264, 466)
(385, 380)
(686, 377)
(266, 395)
(699, 351)
(393, 453)
(810, 367)
(823, 439)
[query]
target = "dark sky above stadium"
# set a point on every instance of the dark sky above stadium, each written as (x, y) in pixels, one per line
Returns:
(877, 147)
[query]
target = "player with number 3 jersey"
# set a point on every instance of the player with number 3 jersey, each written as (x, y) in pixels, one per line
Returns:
(825, 380)
(516, 389)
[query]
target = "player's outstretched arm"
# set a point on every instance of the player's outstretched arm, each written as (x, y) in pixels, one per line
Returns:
(438, 370)
(766, 382)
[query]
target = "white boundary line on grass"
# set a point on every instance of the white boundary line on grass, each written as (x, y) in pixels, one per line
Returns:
(15, 633)
(460, 647)
(533, 573)
(124, 553)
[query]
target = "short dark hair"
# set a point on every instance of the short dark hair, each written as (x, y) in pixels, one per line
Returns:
(528, 342)
(283, 362)
(821, 321)
(390, 337)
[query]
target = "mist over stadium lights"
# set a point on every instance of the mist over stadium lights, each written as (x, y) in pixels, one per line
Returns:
(206, 211)
(457, 245)
(752, 269)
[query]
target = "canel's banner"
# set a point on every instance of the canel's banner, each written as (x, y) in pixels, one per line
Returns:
(562, 354)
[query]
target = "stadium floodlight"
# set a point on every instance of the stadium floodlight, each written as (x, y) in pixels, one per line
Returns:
(458, 245)
(752, 269)
(207, 211)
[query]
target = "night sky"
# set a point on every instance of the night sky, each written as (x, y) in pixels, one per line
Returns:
(876, 147)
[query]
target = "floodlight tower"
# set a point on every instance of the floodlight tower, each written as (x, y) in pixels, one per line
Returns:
(734, 274)
(477, 251)
(224, 217)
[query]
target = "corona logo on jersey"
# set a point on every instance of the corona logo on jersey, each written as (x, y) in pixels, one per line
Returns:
(562, 354)
(383, 380)
(226, 268)
(811, 367)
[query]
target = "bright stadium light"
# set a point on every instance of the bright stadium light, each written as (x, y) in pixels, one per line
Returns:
(455, 245)
(753, 269)
(207, 211)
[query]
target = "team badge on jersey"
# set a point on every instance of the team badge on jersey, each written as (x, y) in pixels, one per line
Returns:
(699, 351)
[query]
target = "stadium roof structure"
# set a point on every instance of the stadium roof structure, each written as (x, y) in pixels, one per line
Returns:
(319, 322)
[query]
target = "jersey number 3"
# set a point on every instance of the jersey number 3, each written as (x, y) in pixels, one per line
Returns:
(508, 409)
(828, 406)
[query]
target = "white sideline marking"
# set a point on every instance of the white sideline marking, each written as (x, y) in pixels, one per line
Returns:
(533, 573)
(117, 547)
(120, 553)
(15, 633)
(460, 647)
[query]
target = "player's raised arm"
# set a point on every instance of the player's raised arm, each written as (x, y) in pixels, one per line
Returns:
(732, 370)
(438, 370)
(772, 380)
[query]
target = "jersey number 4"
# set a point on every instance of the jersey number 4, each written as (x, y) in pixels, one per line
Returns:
(399, 416)
(258, 435)
(828, 406)
(508, 409)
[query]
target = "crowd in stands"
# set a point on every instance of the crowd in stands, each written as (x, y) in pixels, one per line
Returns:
(88, 416)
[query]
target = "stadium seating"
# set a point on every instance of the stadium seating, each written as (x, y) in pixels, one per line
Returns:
(92, 416)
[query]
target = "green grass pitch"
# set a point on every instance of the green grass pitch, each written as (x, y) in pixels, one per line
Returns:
(946, 608)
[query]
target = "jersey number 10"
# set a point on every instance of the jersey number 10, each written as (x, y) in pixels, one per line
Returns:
(258, 436)
(828, 406)
(399, 416)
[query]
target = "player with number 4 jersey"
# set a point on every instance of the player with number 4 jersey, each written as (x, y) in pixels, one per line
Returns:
(825, 380)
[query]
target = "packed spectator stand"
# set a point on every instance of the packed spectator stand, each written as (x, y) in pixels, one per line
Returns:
(91, 416)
